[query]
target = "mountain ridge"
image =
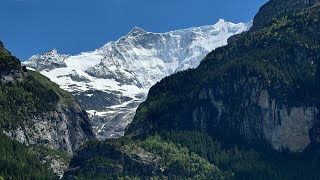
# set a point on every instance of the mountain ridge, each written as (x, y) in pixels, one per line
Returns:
(119, 74)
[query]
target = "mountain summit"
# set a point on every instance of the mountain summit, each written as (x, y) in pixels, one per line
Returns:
(137, 31)
(48, 61)
(113, 80)
(53, 52)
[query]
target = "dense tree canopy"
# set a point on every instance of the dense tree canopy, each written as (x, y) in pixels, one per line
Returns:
(19, 162)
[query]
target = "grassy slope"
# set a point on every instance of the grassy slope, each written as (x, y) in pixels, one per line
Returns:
(64, 96)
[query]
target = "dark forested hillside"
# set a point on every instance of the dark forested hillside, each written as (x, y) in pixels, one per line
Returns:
(19, 162)
(261, 86)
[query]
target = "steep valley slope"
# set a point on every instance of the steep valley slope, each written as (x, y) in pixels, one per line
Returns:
(37, 113)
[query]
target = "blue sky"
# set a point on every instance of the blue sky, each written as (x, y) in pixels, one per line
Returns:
(35, 26)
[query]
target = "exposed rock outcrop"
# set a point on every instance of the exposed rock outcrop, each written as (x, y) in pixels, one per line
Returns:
(256, 116)
(35, 111)
(65, 128)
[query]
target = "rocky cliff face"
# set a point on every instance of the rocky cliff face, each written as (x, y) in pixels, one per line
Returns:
(64, 128)
(7, 76)
(244, 108)
(256, 116)
(48, 61)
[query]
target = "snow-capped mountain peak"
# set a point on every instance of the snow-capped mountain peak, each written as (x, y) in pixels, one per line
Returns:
(113, 80)
(137, 31)
(47, 61)
(220, 23)
(52, 52)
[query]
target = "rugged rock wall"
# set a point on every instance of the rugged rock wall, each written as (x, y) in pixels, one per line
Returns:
(65, 128)
(7, 76)
(255, 116)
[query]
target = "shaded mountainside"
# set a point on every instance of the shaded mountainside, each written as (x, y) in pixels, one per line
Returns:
(264, 86)
(35, 111)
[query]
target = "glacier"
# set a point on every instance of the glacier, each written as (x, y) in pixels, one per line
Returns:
(113, 80)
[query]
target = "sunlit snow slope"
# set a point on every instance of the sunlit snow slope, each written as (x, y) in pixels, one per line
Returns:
(113, 80)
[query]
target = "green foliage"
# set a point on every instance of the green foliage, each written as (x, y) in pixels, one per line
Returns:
(277, 7)
(32, 96)
(21, 100)
(8, 62)
(98, 160)
(28, 94)
(106, 160)
(248, 163)
(44, 152)
(179, 162)
(193, 155)
(284, 54)
(64, 96)
(18, 162)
